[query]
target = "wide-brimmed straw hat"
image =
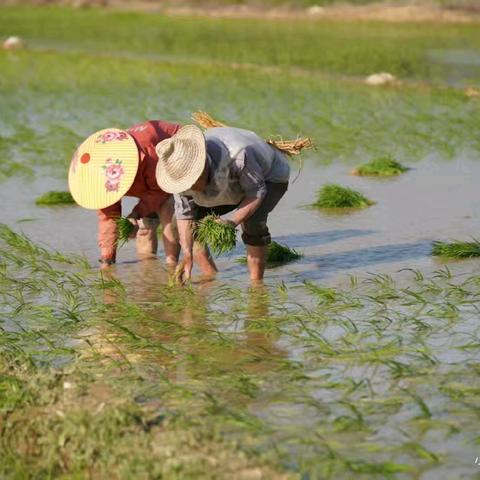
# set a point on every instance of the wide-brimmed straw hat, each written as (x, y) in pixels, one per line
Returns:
(103, 168)
(181, 159)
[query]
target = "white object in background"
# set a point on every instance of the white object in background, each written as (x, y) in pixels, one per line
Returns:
(380, 79)
(315, 10)
(13, 43)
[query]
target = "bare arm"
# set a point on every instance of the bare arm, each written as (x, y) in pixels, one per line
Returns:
(246, 209)
(252, 182)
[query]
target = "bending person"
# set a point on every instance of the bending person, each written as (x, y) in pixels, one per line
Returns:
(228, 169)
(113, 163)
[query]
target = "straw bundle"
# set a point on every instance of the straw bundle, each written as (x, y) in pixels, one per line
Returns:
(290, 147)
(205, 120)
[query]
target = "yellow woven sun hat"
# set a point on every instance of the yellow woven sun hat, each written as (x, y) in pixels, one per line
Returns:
(103, 168)
(181, 159)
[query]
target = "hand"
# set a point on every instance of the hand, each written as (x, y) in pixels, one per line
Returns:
(183, 272)
(106, 263)
(147, 224)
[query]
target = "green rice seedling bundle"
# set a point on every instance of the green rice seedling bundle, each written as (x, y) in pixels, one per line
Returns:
(219, 237)
(55, 198)
(277, 254)
(336, 196)
(125, 229)
(456, 249)
(385, 166)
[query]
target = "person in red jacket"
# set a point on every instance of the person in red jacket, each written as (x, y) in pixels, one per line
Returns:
(114, 163)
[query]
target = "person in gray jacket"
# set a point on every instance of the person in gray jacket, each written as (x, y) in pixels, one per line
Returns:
(223, 170)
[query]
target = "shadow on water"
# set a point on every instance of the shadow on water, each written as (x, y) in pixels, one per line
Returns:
(321, 238)
(365, 257)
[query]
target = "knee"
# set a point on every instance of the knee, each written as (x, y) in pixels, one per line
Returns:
(256, 234)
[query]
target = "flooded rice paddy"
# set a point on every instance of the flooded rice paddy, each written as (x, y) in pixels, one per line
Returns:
(359, 359)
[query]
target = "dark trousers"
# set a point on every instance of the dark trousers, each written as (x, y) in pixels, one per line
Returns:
(255, 229)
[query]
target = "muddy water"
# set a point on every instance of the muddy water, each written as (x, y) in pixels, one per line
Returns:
(435, 200)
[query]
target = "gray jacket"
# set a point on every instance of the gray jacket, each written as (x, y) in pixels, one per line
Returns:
(240, 163)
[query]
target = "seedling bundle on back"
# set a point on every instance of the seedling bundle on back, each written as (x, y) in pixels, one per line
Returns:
(219, 237)
(381, 167)
(336, 196)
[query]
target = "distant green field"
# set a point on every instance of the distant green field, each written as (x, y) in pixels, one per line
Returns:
(87, 69)
(406, 50)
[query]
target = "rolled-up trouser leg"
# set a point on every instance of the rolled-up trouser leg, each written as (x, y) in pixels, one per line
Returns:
(255, 229)
(147, 238)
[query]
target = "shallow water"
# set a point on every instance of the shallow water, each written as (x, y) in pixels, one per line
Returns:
(435, 200)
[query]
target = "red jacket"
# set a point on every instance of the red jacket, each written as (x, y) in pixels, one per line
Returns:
(145, 187)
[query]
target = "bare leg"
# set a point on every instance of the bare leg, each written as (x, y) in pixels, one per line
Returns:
(256, 258)
(170, 238)
(147, 240)
(202, 257)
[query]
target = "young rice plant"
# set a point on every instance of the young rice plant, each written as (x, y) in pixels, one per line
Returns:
(220, 237)
(336, 196)
(277, 254)
(385, 166)
(456, 249)
(55, 198)
(125, 229)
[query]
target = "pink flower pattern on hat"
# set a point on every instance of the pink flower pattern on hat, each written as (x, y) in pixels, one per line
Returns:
(110, 136)
(113, 173)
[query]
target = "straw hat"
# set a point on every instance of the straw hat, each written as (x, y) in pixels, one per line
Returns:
(181, 159)
(103, 168)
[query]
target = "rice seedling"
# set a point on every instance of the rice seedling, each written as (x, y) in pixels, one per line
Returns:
(456, 249)
(218, 236)
(125, 229)
(385, 166)
(55, 197)
(278, 254)
(336, 196)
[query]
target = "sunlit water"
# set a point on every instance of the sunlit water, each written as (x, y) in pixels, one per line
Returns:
(435, 200)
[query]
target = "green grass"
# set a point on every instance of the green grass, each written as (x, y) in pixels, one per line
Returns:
(336, 196)
(278, 254)
(353, 48)
(219, 237)
(125, 229)
(90, 384)
(55, 198)
(385, 166)
(456, 249)
(84, 61)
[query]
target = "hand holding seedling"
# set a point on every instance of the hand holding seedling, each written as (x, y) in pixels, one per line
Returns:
(183, 272)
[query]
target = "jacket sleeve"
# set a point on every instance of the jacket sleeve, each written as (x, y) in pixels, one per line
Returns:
(108, 231)
(250, 175)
